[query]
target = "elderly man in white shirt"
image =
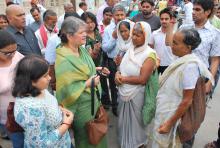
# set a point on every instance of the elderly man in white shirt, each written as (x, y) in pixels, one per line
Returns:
(47, 29)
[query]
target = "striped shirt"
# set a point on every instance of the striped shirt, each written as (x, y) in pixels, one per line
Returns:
(210, 45)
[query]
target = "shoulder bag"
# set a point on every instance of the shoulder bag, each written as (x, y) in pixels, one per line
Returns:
(97, 127)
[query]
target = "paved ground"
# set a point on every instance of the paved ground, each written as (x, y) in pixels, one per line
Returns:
(206, 133)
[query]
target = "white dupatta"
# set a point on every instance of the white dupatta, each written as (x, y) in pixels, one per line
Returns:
(132, 62)
(190, 58)
(170, 95)
(121, 44)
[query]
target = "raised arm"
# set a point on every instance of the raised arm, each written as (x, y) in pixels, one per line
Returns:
(109, 42)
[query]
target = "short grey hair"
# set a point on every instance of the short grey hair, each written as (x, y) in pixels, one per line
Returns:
(48, 13)
(118, 7)
(70, 26)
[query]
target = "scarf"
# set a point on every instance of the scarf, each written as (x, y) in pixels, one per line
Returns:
(123, 45)
(147, 34)
(190, 58)
(43, 34)
(71, 74)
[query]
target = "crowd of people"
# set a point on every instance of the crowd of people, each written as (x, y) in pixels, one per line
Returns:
(49, 66)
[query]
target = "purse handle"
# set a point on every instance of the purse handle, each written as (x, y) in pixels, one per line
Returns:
(92, 87)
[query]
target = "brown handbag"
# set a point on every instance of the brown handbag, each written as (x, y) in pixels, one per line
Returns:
(194, 116)
(11, 124)
(97, 127)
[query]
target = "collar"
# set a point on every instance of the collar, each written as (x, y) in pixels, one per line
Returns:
(45, 28)
(112, 24)
(80, 10)
(15, 30)
(101, 23)
(208, 25)
(159, 30)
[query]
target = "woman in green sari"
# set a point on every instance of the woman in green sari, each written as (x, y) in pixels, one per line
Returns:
(74, 69)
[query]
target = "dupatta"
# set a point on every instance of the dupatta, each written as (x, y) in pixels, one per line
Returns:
(71, 74)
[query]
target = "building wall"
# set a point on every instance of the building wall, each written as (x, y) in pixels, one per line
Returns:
(56, 5)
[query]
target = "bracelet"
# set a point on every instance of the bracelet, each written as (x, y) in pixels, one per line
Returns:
(66, 124)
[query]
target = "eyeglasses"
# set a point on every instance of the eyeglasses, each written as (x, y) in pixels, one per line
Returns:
(8, 54)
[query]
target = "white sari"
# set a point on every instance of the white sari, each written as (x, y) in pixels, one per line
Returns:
(131, 97)
(122, 45)
(169, 97)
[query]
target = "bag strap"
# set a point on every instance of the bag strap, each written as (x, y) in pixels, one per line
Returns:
(92, 87)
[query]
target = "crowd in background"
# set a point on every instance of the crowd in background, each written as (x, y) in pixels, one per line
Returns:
(48, 64)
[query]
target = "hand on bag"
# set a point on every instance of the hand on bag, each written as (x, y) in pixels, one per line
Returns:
(118, 78)
(96, 81)
(165, 128)
(67, 116)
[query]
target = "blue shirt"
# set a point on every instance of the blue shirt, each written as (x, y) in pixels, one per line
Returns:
(209, 47)
(108, 42)
(50, 51)
(26, 42)
(40, 119)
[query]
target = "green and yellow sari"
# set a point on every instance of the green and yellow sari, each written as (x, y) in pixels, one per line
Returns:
(71, 74)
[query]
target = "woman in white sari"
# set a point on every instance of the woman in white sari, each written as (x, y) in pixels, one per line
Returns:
(176, 90)
(136, 67)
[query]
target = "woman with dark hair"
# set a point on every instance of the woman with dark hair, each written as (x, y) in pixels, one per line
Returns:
(45, 124)
(93, 38)
(3, 21)
(74, 69)
(174, 99)
(124, 41)
(9, 57)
